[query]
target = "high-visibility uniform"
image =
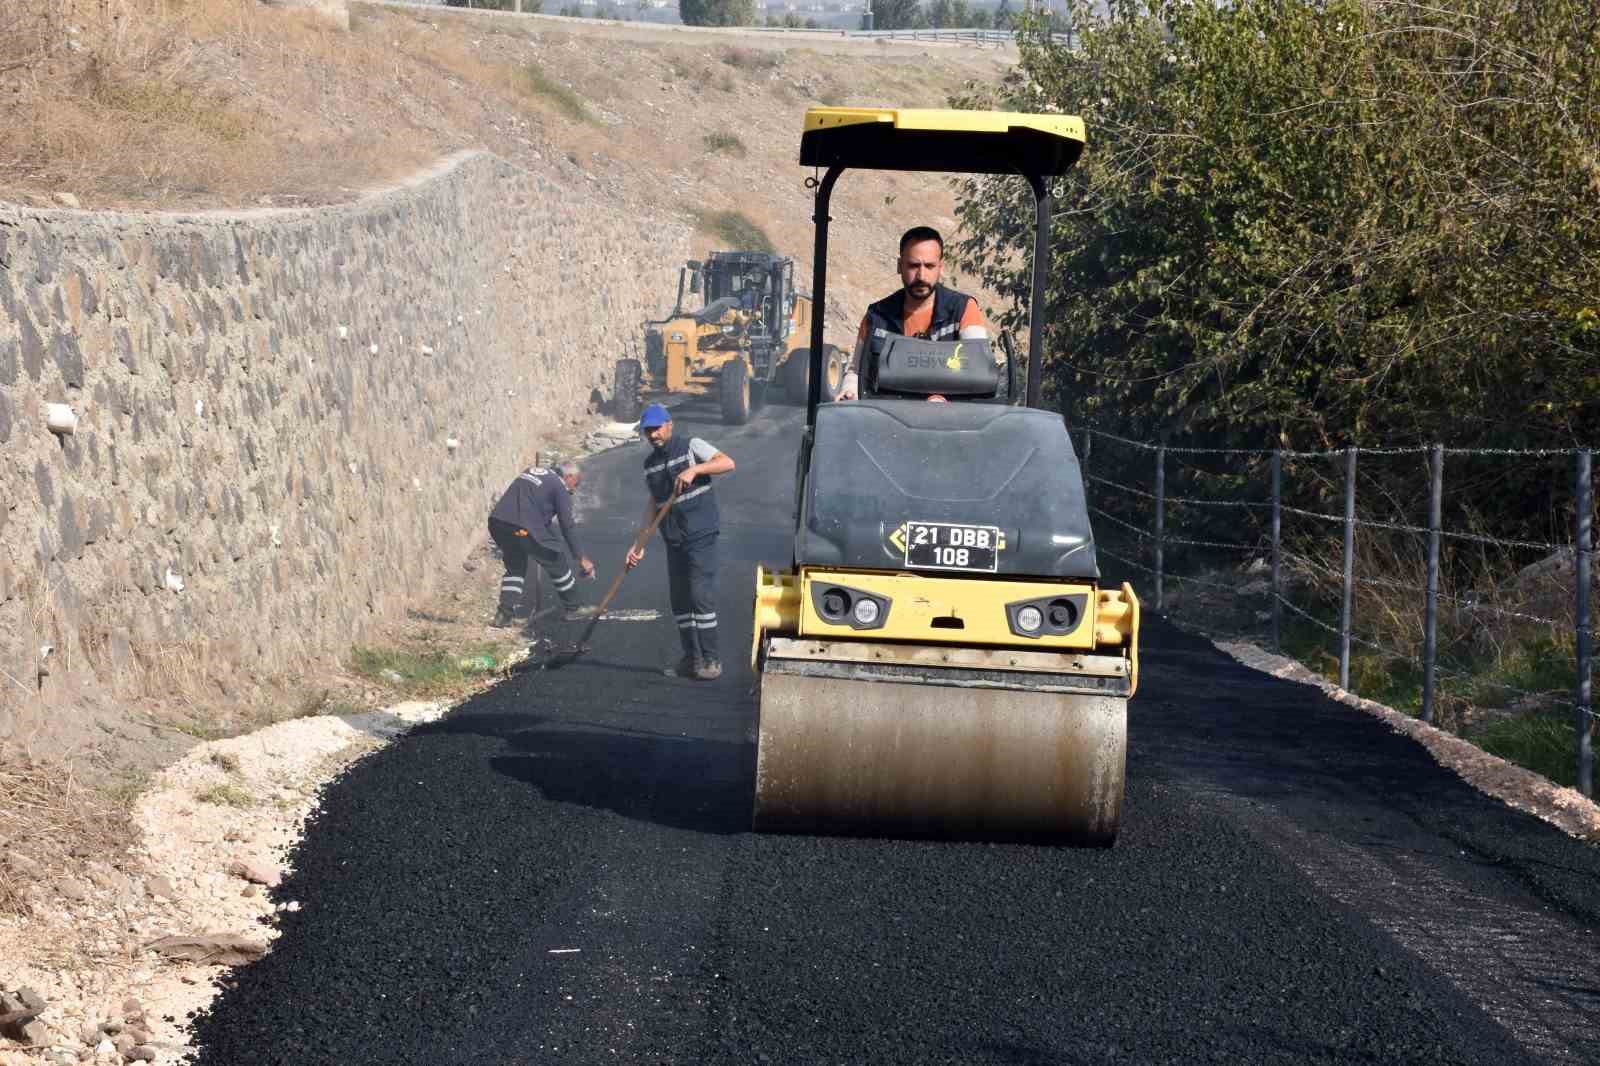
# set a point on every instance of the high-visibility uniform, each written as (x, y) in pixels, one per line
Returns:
(690, 532)
(521, 525)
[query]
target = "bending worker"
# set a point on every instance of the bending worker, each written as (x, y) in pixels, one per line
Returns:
(520, 526)
(690, 531)
(922, 308)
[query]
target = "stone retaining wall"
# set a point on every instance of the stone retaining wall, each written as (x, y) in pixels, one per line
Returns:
(286, 419)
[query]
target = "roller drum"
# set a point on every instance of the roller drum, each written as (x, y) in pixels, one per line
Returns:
(896, 758)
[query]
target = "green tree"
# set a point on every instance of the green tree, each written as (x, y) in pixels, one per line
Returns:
(896, 14)
(1317, 223)
(717, 12)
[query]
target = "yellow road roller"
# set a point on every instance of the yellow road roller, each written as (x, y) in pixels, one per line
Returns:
(941, 659)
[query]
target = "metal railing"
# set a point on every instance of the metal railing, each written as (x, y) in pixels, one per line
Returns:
(1266, 511)
(979, 37)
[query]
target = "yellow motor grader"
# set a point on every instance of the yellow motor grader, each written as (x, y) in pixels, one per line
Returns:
(748, 335)
(942, 657)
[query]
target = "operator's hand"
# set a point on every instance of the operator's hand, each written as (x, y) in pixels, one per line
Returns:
(586, 565)
(936, 398)
(686, 479)
(635, 556)
(846, 393)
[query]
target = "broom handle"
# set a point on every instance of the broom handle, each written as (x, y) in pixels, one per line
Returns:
(616, 582)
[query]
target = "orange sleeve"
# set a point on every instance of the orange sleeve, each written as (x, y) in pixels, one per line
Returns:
(971, 316)
(854, 366)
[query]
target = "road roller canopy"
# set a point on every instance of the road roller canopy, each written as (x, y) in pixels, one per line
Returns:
(963, 142)
(1002, 480)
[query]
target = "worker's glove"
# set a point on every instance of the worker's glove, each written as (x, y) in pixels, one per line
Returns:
(635, 555)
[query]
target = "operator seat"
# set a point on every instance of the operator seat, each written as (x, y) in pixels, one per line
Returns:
(963, 371)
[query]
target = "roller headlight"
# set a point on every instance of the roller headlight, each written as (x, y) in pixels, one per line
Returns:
(834, 604)
(1029, 619)
(866, 611)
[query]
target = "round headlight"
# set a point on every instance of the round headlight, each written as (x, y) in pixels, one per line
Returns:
(866, 611)
(1062, 614)
(834, 604)
(1029, 619)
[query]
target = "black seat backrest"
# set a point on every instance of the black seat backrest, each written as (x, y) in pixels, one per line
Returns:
(910, 366)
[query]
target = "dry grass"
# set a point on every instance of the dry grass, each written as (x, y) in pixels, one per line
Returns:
(48, 819)
(115, 99)
(752, 59)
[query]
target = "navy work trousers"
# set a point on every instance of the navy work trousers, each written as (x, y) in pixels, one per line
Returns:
(517, 546)
(692, 573)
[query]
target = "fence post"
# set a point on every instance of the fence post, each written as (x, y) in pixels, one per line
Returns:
(1161, 509)
(1583, 551)
(1430, 617)
(1277, 548)
(1349, 564)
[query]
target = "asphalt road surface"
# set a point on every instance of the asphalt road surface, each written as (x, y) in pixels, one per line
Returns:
(561, 871)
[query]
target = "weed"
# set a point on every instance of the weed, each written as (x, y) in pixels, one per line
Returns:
(726, 143)
(831, 97)
(201, 730)
(1543, 743)
(426, 671)
(226, 796)
(727, 84)
(535, 82)
(127, 789)
(734, 229)
(227, 760)
(752, 59)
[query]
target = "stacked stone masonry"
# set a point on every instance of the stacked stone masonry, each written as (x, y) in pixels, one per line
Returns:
(287, 419)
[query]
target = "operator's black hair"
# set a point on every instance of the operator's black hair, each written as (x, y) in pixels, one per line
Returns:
(917, 234)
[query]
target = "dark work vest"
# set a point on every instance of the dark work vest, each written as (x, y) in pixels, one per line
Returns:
(695, 512)
(884, 318)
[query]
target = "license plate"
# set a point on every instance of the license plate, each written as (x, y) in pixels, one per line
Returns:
(949, 546)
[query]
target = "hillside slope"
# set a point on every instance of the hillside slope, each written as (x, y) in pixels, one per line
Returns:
(229, 103)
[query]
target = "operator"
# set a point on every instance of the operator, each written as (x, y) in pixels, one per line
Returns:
(922, 308)
(520, 525)
(686, 466)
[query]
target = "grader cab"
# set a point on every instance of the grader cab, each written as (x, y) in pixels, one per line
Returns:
(748, 335)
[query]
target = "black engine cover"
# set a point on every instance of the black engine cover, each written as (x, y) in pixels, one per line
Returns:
(877, 464)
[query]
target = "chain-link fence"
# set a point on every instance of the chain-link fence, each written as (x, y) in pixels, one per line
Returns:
(1211, 517)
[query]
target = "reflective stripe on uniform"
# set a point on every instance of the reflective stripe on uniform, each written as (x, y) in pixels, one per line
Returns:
(682, 460)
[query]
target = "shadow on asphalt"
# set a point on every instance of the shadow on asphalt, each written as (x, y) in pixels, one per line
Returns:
(682, 782)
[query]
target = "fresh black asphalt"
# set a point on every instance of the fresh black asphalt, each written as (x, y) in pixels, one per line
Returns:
(561, 871)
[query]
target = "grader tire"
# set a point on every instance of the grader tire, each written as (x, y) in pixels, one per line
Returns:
(625, 395)
(797, 374)
(736, 393)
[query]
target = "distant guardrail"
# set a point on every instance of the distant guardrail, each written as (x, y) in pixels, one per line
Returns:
(976, 37)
